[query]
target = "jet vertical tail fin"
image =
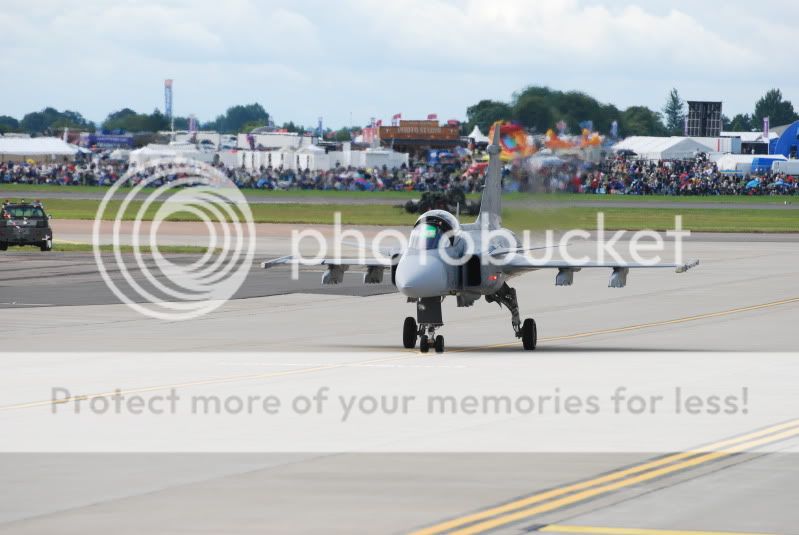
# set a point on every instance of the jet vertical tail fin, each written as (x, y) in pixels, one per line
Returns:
(491, 202)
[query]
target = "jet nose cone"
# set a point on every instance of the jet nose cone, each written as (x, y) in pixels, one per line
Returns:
(417, 277)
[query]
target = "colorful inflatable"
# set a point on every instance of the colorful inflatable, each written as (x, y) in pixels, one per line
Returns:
(512, 140)
(590, 139)
(552, 141)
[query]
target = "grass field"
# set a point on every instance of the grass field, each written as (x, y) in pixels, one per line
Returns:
(12, 190)
(695, 219)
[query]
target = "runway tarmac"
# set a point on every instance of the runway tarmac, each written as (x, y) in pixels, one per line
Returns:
(743, 297)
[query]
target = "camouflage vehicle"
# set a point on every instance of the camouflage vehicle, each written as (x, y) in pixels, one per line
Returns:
(25, 223)
(451, 200)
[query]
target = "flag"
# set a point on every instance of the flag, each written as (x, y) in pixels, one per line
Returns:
(396, 116)
(432, 116)
(379, 122)
(766, 127)
(614, 129)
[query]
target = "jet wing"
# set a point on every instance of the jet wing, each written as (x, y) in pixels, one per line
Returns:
(566, 270)
(384, 263)
(337, 266)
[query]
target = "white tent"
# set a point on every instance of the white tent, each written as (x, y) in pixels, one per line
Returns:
(478, 136)
(35, 148)
(661, 148)
(154, 151)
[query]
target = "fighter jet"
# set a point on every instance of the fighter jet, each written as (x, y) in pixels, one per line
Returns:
(445, 258)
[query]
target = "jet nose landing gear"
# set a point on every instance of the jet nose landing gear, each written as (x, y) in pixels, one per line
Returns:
(428, 311)
(426, 334)
(431, 339)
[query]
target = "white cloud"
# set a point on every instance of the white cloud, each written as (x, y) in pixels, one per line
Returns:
(303, 58)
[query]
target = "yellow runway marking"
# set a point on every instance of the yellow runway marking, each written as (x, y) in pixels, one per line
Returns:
(592, 530)
(202, 382)
(640, 326)
(516, 510)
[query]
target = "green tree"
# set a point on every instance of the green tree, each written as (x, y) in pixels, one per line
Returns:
(8, 124)
(641, 121)
(181, 123)
(778, 111)
(345, 134)
(533, 111)
(487, 112)
(291, 127)
(48, 120)
(674, 113)
(236, 117)
(128, 120)
(741, 123)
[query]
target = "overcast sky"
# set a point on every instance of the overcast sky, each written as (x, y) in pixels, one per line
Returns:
(306, 58)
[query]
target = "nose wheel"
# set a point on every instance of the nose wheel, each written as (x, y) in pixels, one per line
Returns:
(426, 342)
(425, 332)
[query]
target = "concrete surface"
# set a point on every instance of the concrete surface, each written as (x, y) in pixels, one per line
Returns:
(742, 297)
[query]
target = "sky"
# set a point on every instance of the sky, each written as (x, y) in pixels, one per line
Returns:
(349, 60)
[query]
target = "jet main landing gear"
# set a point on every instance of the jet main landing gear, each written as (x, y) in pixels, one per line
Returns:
(527, 331)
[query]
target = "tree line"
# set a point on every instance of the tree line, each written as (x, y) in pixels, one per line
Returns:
(50, 121)
(541, 108)
(537, 108)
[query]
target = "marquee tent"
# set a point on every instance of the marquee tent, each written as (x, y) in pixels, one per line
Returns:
(478, 136)
(155, 151)
(661, 148)
(34, 148)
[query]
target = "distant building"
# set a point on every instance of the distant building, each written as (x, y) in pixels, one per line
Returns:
(751, 142)
(704, 119)
(419, 136)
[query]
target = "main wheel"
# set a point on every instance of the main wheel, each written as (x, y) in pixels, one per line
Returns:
(424, 343)
(409, 332)
(3, 246)
(47, 245)
(529, 334)
(439, 344)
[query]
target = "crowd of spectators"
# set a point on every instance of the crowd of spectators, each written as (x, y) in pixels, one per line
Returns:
(697, 176)
(106, 172)
(620, 175)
